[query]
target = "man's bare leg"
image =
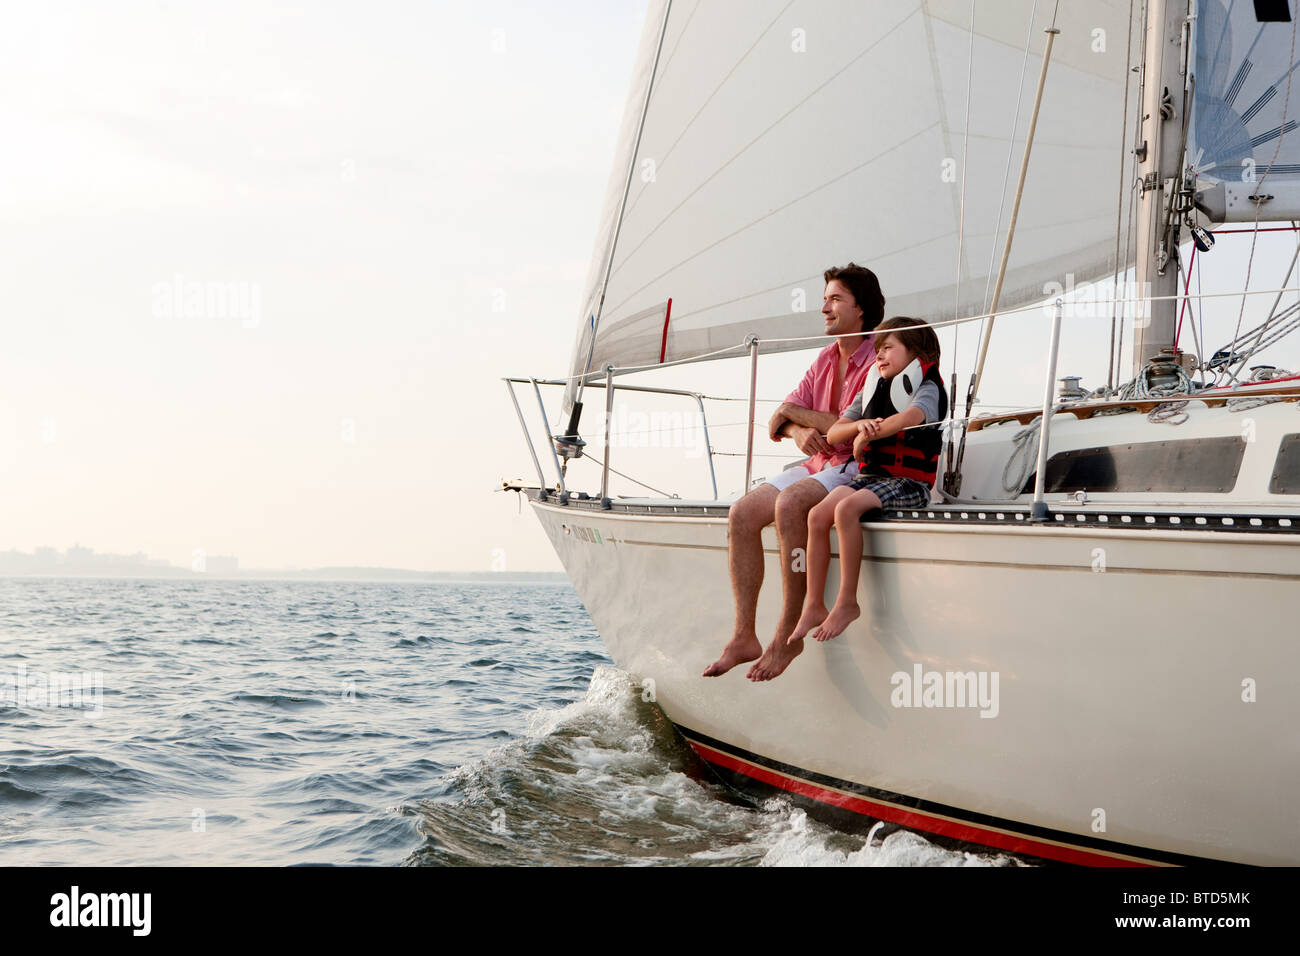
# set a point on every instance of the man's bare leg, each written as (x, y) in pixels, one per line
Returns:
(848, 525)
(792, 509)
(820, 521)
(745, 523)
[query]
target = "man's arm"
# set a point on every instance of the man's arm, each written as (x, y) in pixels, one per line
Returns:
(808, 438)
(799, 401)
(822, 421)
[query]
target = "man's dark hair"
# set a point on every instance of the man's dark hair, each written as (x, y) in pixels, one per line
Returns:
(864, 285)
(920, 341)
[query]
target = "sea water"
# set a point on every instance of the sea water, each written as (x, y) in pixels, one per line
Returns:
(207, 722)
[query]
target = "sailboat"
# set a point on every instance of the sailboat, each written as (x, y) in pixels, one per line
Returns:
(1084, 648)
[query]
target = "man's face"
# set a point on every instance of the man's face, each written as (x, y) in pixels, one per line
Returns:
(840, 309)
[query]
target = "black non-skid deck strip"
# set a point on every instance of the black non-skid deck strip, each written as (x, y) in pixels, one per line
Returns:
(991, 516)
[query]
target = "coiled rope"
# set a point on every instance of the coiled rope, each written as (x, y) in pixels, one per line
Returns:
(1265, 373)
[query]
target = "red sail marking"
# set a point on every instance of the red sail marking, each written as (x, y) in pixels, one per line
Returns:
(663, 347)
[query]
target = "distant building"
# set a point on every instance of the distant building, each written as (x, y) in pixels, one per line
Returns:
(222, 565)
(15, 561)
(79, 555)
(81, 561)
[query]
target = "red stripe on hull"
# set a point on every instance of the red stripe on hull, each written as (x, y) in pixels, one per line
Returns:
(909, 818)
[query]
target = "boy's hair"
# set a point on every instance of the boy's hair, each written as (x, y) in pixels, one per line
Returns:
(864, 285)
(921, 342)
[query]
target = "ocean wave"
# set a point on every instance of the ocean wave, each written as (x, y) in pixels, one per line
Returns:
(284, 723)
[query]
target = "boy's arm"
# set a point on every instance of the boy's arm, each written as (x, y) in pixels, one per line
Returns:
(874, 429)
(882, 428)
(924, 408)
(842, 431)
(846, 428)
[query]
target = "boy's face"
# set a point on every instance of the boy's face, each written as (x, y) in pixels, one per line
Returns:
(892, 356)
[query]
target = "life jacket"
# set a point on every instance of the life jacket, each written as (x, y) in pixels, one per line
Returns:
(913, 453)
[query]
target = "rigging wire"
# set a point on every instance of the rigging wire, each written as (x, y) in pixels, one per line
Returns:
(961, 215)
(1289, 320)
(1132, 206)
(1122, 305)
(1187, 282)
(1263, 327)
(1187, 305)
(1011, 150)
(961, 237)
(1259, 206)
(1199, 316)
(1119, 203)
(630, 478)
(987, 327)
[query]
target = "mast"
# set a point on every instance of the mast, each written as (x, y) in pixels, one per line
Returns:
(1161, 157)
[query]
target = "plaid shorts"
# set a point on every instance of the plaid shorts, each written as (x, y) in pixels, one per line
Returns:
(894, 492)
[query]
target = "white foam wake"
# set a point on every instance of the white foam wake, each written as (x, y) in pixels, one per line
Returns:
(605, 781)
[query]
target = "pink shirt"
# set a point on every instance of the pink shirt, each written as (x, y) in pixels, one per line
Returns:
(814, 392)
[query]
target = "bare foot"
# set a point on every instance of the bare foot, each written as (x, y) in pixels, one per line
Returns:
(741, 648)
(775, 659)
(811, 617)
(841, 616)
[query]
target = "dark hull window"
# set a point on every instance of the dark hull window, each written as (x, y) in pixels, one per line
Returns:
(1198, 464)
(1286, 473)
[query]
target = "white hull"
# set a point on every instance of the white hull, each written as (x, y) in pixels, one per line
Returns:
(1120, 691)
(1144, 640)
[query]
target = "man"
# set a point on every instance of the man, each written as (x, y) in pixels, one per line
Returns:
(852, 303)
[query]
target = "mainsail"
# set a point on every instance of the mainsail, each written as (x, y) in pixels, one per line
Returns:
(778, 137)
(1246, 105)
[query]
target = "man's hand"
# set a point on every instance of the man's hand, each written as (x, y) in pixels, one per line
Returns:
(776, 425)
(809, 440)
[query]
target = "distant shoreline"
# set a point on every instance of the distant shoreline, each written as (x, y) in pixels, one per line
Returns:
(390, 575)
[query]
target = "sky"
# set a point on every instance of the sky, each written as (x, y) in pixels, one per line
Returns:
(384, 207)
(264, 265)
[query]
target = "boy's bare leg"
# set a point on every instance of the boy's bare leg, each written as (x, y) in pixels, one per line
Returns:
(820, 521)
(848, 525)
(745, 523)
(792, 509)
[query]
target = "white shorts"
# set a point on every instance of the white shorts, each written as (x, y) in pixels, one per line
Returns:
(831, 477)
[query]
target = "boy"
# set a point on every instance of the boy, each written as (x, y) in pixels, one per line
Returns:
(898, 461)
